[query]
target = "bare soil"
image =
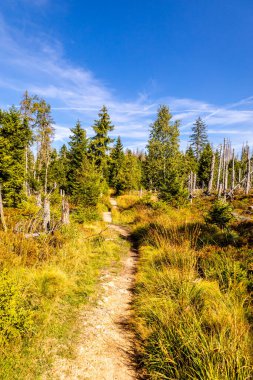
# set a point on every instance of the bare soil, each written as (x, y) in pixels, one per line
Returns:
(104, 350)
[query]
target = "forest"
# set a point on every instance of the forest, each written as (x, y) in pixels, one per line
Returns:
(189, 214)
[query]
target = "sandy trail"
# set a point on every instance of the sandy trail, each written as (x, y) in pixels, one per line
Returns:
(105, 345)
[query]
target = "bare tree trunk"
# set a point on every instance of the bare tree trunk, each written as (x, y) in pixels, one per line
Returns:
(219, 169)
(2, 211)
(220, 190)
(224, 167)
(38, 199)
(46, 175)
(46, 215)
(210, 183)
(65, 209)
(248, 184)
(191, 184)
(233, 170)
(194, 180)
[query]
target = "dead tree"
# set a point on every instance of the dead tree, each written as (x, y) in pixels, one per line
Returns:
(233, 170)
(242, 182)
(2, 211)
(64, 209)
(210, 183)
(248, 182)
(219, 170)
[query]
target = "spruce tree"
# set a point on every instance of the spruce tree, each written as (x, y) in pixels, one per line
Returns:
(130, 174)
(15, 136)
(163, 168)
(198, 138)
(77, 153)
(204, 166)
(116, 163)
(99, 145)
(88, 185)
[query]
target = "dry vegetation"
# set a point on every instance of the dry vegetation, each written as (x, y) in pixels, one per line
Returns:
(44, 282)
(193, 305)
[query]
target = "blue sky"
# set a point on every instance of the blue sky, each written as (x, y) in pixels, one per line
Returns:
(132, 55)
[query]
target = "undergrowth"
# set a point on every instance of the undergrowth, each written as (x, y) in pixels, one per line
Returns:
(43, 283)
(192, 299)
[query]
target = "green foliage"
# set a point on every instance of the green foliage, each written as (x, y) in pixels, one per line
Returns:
(129, 175)
(198, 137)
(73, 159)
(116, 164)
(164, 168)
(87, 214)
(190, 161)
(15, 136)
(220, 214)
(89, 185)
(99, 144)
(204, 166)
(16, 314)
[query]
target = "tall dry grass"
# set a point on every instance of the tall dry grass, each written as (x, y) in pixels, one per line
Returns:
(43, 283)
(191, 312)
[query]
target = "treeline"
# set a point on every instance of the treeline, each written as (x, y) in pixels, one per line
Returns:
(87, 167)
(178, 176)
(83, 170)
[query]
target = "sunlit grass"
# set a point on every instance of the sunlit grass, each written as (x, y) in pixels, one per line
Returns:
(191, 303)
(44, 292)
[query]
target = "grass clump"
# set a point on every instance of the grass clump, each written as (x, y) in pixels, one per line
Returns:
(43, 285)
(192, 302)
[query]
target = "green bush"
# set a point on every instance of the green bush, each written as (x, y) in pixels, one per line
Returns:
(220, 214)
(16, 316)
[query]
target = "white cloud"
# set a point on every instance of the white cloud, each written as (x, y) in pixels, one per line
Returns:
(37, 64)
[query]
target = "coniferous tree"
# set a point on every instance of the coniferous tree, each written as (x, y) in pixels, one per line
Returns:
(99, 145)
(191, 164)
(77, 153)
(198, 137)
(164, 169)
(15, 136)
(88, 185)
(116, 163)
(204, 166)
(130, 173)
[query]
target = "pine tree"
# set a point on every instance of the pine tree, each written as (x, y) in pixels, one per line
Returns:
(77, 153)
(198, 137)
(116, 163)
(190, 161)
(15, 136)
(99, 145)
(88, 185)
(130, 173)
(163, 168)
(204, 167)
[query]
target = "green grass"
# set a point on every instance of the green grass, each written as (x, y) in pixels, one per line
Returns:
(43, 285)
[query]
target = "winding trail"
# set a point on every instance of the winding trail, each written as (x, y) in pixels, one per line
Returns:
(105, 345)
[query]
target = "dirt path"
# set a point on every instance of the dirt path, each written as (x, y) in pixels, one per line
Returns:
(105, 347)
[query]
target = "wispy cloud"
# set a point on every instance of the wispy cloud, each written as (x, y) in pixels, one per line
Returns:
(38, 65)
